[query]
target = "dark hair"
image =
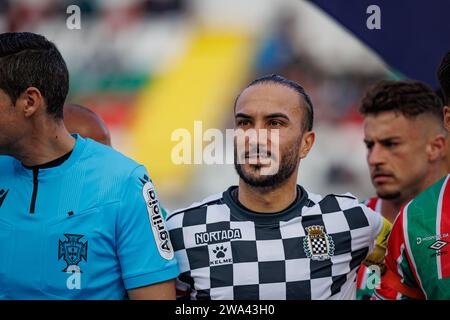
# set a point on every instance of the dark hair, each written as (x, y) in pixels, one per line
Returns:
(443, 75)
(30, 60)
(409, 97)
(274, 78)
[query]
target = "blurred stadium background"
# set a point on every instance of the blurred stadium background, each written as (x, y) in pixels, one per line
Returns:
(149, 67)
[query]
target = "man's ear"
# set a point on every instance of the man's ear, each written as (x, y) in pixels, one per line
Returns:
(436, 147)
(31, 100)
(446, 111)
(308, 139)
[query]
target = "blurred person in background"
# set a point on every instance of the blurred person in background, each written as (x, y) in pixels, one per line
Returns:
(418, 261)
(85, 122)
(26, 14)
(74, 214)
(269, 238)
(405, 139)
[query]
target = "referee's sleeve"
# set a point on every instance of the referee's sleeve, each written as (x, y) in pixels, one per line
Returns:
(142, 241)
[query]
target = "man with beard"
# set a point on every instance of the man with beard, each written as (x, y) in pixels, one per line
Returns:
(418, 260)
(269, 238)
(405, 139)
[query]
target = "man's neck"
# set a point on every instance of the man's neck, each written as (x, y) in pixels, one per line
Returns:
(390, 209)
(45, 144)
(265, 200)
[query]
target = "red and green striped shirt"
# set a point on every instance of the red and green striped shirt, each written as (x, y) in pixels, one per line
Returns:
(418, 254)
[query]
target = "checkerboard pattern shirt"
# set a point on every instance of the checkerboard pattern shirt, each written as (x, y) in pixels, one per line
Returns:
(312, 250)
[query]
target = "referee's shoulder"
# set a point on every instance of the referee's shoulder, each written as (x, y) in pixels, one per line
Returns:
(195, 207)
(108, 160)
(6, 162)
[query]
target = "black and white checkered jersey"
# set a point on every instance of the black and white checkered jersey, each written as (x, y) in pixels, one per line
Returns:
(312, 250)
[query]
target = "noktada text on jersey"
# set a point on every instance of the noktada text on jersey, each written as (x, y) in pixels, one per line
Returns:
(217, 236)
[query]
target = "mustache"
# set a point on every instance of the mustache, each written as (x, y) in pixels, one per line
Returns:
(258, 151)
(255, 154)
(379, 171)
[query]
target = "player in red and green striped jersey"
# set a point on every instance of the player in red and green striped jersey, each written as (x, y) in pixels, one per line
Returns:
(418, 257)
(405, 140)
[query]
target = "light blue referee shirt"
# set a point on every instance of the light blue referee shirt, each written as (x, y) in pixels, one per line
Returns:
(88, 227)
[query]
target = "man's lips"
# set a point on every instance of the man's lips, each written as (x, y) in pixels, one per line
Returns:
(257, 160)
(381, 178)
(257, 156)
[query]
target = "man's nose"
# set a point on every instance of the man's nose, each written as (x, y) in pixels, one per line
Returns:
(376, 155)
(261, 137)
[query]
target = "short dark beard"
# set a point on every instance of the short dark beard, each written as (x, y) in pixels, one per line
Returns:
(390, 196)
(288, 165)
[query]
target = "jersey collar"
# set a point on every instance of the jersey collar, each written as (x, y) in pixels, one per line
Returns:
(60, 168)
(241, 213)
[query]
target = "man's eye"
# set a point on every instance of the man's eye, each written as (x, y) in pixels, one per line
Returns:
(275, 123)
(389, 144)
(242, 123)
(369, 145)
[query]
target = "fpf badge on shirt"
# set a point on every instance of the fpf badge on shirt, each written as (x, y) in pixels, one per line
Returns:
(72, 250)
(159, 229)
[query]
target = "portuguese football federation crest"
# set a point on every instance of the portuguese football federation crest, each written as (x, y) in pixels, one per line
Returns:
(317, 244)
(72, 250)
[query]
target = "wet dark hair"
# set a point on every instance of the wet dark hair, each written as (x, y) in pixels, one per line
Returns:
(274, 78)
(30, 60)
(410, 98)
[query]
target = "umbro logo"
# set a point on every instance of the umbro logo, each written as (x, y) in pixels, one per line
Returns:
(438, 245)
(3, 195)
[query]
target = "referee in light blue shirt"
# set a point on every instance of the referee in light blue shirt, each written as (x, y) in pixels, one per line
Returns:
(78, 220)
